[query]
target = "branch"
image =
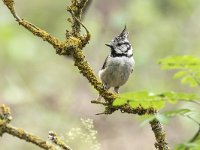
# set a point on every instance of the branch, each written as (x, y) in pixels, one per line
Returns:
(195, 137)
(86, 71)
(84, 38)
(126, 108)
(56, 140)
(76, 7)
(5, 127)
(24, 135)
(159, 133)
(85, 9)
(34, 29)
(71, 46)
(161, 142)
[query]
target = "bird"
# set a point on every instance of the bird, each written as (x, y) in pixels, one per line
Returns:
(119, 64)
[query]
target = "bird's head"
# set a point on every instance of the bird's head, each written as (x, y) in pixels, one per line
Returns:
(120, 44)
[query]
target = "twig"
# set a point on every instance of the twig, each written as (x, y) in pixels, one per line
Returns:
(24, 135)
(194, 138)
(193, 101)
(85, 38)
(85, 9)
(197, 134)
(76, 7)
(5, 127)
(56, 140)
(161, 142)
(193, 119)
(99, 102)
(126, 108)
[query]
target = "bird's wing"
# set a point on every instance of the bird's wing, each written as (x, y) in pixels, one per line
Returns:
(105, 63)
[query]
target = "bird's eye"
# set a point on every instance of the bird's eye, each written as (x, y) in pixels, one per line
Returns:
(119, 44)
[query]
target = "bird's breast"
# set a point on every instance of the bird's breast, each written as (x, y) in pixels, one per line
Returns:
(117, 71)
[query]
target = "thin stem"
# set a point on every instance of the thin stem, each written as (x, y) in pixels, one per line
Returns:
(193, 101)
(85, 9)
(56, 140)
(196, 135)
(193, 119)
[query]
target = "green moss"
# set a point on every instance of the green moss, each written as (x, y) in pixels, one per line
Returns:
(2, 126)
(56, 140)
(57, 44)
(159, 133)
(20, 133)
(85, 70)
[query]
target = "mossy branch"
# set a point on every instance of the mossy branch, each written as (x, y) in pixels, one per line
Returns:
(57, 44)
(76, 7)
(73, 45)
(5, 127)
(126, 108)
(161, 143)
(159, 133)
(56, 140)
(24, 135)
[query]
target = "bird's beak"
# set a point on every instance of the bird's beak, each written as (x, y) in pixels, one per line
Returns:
(108, 44)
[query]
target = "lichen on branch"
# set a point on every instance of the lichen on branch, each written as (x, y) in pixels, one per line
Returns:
(160, 136)
(5, 127)
(57, 141)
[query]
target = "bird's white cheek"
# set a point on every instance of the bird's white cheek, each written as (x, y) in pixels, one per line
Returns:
(118, 51)
(130, 52)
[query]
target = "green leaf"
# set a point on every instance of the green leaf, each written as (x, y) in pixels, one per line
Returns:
(173, 113)
(180, 74)
(119, 101)
(157, 101)
(191, 146)
(188, 66)
(189, 80)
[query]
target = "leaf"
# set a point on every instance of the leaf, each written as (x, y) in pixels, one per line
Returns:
(180, 74)
(119, 101)
(189, 80)
(157, 101)
(191, 146)
(188, 66)
(177, 112)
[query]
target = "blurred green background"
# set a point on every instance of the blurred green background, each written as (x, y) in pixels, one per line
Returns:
(46, 92)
